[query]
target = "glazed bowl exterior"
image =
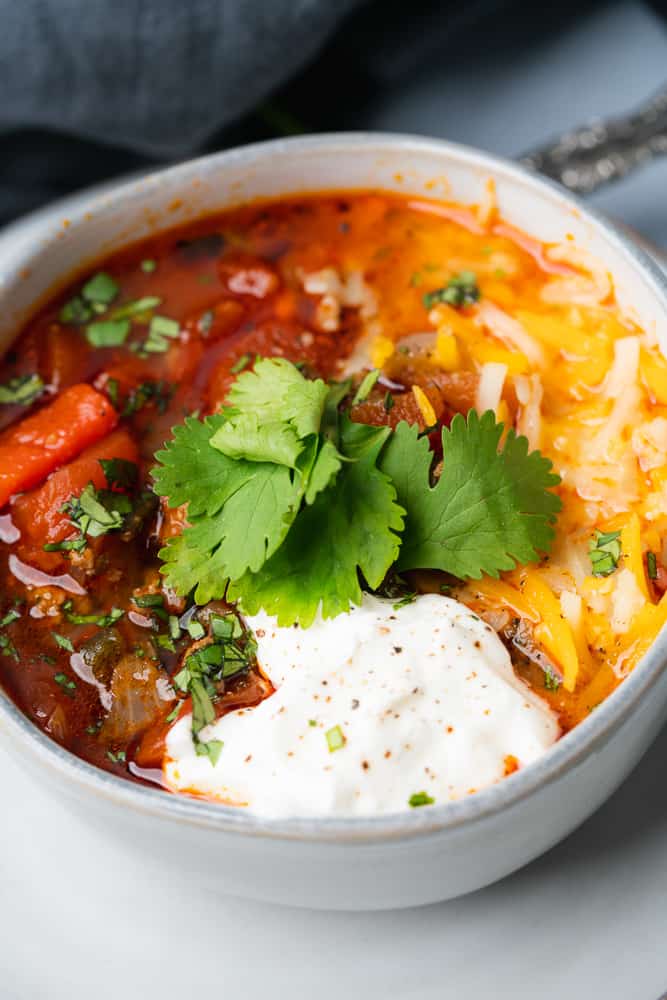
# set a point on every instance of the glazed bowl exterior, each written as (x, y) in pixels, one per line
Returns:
(419, 856)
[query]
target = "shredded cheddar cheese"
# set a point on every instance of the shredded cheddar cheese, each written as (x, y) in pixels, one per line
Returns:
(425, 406)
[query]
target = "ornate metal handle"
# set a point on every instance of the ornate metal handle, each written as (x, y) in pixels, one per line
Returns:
(588, 157)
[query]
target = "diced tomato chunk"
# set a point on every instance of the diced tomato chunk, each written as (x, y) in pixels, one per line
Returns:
(38, 514)
(272, 338)
(36, 446)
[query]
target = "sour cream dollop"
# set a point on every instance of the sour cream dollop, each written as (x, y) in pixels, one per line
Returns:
(423, 698)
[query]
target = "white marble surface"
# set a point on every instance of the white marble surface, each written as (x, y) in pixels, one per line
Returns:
(82, 920)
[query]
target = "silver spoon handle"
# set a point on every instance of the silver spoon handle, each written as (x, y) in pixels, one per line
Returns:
(588, 157)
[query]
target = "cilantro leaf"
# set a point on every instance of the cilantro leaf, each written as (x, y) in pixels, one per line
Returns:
(239, 512)
(490, 508)
(272, 410)
(194, 473)
(245, 437)
(119, 472)
(352, 525)
(241, 535)
(276, 390)
(460, 290)
(22, 390)
(324, 469)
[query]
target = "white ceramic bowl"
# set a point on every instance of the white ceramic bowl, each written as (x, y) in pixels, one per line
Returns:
(419, 856)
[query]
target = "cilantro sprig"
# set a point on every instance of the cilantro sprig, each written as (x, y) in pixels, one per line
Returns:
(491, 508)
(293, 507)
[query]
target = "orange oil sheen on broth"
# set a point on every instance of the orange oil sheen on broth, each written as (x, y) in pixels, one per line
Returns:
(314, 279)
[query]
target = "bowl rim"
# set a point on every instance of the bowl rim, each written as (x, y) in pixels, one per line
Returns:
(588, 737)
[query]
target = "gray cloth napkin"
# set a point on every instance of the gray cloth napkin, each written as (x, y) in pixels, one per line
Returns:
(158, 76)
(94, 88)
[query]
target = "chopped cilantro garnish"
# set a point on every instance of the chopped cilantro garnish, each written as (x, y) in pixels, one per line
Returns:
(461, 290)
(76, 312)
(175, 712)
(12, 616)
(148, 266)
(66, 683)
(103, 620)
(241, 364)
(211, 749)
(119, 472)
(21, 391)
(76, 544)
(8, 648)
(136, 307)
(63, 642)
(335, 738)
(420, 799)
(651, 566)
(161, 330)
(205, 670)
(148, 600)
(108, 333)
(402, 602)
(365, 386)
(196, 630)
(604, 550)
(96, 512)
(551, 681)
(225, 626)
(312, 722)
(112, 391)
(101, 288)
(159, 392)
(117, 758)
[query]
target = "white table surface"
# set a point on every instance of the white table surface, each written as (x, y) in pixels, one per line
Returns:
(80, 919)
